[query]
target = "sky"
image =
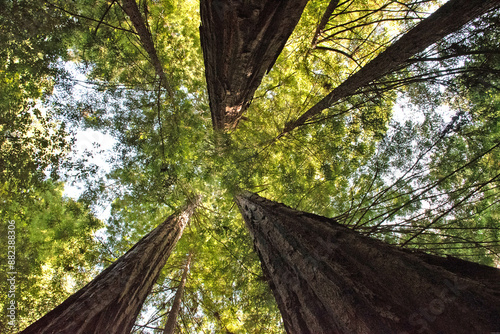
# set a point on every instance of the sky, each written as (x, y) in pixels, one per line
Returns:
(86, 140)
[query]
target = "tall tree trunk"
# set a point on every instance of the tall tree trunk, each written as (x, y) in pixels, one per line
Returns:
(111, 302)
(324, 21)
(241, 40)
(329, 279)
(176, 306)
(447, 19)
(132, 10)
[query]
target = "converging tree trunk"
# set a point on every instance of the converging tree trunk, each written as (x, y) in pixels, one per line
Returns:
(132, 10)
(241, 40)
(176, 306)
(324, 20)
(329, 279)
(111, 302)
(447, 19)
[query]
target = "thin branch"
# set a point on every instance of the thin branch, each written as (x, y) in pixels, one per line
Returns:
(88, 18)
(103, 16)
(447, 19)
(449, 210)
(450, 56)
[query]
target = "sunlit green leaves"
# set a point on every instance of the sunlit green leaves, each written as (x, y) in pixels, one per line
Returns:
(56, 252)
(428, 183)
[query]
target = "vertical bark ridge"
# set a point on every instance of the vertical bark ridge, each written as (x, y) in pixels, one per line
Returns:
(329, 279)
(241, 40)
(111, 302)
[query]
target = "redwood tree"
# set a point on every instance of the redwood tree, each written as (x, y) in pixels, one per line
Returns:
(176, 306)
(241, 41)
(447, 19)
(329, 279)
(131, 8)
(111, 302)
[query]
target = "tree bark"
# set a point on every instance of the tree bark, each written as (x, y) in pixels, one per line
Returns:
(176, 306)
(329, 279)
(111, 302)
(241, 40)
(132, 10)
(324, 21)
(447, 19)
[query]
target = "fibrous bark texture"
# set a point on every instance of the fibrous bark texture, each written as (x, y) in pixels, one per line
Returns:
(447, 19)
(329, 279)
(111, 302)
(241, 40)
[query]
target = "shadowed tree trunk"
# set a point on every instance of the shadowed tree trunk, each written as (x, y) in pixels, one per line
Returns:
(111, 302)
(447, 19)
(241, 41)
(329, 279)
(132, 10)
(176, 306)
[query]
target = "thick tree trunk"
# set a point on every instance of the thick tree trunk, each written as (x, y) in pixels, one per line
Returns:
(329, 279)
(132, 10)
(176, 306)
(112, 301)
(241, 41)
(447, 19)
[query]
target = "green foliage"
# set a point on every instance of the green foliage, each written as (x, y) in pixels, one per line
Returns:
(55, 250)
(32, 141)
(34, 37)
(430, 184)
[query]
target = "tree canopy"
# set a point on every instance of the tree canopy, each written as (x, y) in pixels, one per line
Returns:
(409, 154)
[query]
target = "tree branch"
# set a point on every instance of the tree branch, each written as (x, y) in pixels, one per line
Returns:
(88, 18)
(103, 16)
(447, 19)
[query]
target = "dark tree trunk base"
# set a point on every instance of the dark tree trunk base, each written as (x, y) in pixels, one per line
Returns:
(111, 302)
(329, 279)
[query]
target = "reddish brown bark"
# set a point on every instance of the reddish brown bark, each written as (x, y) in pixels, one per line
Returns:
(447, 19)
(241, 40)
(111, 302)
(329, 279)
(176, 306)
